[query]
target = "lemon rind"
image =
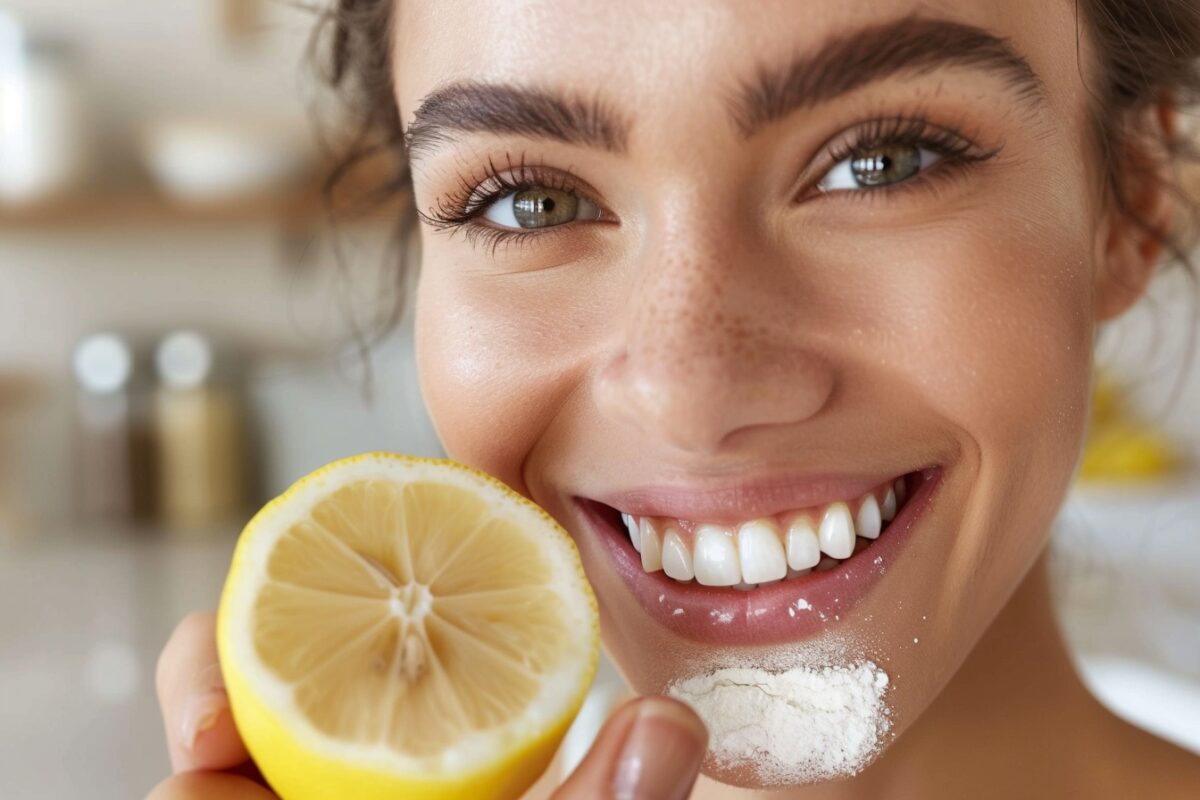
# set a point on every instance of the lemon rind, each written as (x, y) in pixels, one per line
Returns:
(490, 753)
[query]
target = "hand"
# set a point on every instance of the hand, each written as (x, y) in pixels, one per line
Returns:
(208, 758)
(650, 749)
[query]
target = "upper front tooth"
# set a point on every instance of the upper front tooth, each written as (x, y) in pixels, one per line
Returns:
(761, 553)
(676, 558)
(803, 549)
(837, 531)
(715, 559)
(888, 509)
(651, 550)
(635, 534)
(869, 522)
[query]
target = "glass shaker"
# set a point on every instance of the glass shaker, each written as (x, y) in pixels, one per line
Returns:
(199, 432)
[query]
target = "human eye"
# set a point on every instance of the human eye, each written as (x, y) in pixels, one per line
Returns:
(889, 152)
(538, 207)
(512, 200)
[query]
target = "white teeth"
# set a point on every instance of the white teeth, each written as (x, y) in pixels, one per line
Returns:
(758, 552)
(888, 509)
(869, 523)
(836, 535)
(635, 535)
(715, 559)
(761, 553)
(803, 549)
(651, 550)
(676, 558)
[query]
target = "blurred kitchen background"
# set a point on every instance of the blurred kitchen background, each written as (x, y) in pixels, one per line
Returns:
(179, 341)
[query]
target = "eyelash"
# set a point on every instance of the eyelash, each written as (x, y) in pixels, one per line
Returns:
(460, 210)
(955, 150)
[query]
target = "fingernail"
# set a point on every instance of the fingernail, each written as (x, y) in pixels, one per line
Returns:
(662, 754)
(200, 712)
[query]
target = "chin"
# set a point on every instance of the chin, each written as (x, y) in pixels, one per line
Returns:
(765, 776)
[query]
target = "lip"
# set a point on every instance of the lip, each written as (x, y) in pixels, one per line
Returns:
(787, 611)
(747, 500)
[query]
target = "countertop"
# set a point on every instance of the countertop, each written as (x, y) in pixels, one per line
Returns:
(82, 619)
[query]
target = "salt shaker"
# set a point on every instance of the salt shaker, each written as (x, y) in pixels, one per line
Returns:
(199, 436)
(114, 471)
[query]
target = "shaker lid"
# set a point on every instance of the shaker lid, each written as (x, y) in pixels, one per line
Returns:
(103, 363)
(184, 360)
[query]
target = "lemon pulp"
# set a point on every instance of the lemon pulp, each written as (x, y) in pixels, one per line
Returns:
(405, 625)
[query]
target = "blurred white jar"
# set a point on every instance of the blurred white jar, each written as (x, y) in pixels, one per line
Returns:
(43, 131)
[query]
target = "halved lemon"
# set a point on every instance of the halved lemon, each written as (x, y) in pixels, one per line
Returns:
(404, 627)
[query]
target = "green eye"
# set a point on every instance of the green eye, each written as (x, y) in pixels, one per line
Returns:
(886, 165)
(880, 166)
(542, 208)
(539, 207)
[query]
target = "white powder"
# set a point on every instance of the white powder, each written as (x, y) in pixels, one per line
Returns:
(800, 725)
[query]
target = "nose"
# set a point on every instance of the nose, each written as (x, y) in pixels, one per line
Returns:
(713, 343)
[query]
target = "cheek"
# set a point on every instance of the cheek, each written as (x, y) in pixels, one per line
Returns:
(1001, 341)
(998, 340)
(499, 356)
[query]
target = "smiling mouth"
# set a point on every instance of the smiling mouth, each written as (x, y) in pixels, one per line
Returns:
(767, 549)
(768, 579)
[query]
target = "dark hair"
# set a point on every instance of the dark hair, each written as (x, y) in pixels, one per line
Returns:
(1148, 50)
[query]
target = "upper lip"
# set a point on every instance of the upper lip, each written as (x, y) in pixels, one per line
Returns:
(730, 503)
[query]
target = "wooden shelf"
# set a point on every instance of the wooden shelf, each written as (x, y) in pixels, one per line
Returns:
(302, 206)
(143, 207)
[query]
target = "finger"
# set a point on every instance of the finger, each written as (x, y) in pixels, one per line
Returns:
(209, 786)
(195, 708)
(651, 749)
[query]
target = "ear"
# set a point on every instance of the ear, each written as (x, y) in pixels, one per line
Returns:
(1133, 237)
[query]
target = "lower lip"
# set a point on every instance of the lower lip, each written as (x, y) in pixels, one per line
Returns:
(787, 611)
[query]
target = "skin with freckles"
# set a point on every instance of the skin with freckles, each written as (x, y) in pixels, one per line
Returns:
(724, 314)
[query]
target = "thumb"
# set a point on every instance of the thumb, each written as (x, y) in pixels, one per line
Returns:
(650, 749)
(201, 733)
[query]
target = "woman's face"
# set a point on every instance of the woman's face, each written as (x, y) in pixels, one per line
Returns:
(734, 270)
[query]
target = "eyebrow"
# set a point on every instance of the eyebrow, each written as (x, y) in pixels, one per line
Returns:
(473, 107)
(910, 45)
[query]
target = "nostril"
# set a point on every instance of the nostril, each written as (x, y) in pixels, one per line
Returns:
(678, 412)
(695, 406)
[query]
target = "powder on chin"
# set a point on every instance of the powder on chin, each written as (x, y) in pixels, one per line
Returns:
(799, 725)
